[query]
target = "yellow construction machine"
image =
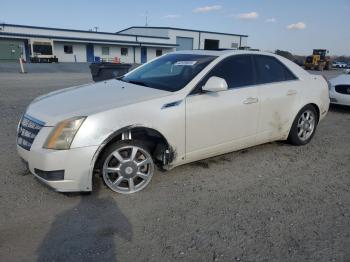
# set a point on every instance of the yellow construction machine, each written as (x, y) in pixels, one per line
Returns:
(318, 60)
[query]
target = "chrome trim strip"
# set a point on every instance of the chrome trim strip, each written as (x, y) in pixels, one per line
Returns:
(37, 121)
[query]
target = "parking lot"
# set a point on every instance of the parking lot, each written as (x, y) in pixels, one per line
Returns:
(273, 202)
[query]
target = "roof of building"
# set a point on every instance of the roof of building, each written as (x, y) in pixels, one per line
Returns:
(79, 31)
(176, 28)
(98, 40)
(87, 40)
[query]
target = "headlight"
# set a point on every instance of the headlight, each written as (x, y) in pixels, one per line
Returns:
(63, 134)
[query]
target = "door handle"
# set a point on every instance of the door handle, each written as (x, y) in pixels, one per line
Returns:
(291, 92)
(251, 100)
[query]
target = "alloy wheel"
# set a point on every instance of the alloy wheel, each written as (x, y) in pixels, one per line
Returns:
(306, 125)
(128, 169)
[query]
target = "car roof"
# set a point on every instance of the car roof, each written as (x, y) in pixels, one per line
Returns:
(297, 70)
(223, 52)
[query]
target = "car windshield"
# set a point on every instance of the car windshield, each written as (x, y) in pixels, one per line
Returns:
(170, 72)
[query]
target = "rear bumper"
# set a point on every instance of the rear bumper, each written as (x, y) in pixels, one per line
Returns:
(47, 165)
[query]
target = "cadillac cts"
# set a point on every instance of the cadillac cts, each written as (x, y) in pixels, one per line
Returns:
(176, 109)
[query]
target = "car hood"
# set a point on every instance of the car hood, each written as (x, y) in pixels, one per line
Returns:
(340, 80)
(89, 99)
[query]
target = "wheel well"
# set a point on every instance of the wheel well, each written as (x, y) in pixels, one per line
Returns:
(156, 144)
(317, 111)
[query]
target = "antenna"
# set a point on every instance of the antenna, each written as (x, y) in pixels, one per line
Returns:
(146, 24)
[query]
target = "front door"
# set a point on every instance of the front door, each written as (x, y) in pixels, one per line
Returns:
(143, 54)
(220, 122)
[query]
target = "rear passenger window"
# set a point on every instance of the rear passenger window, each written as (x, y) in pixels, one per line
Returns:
(270, 70)
(236, 70)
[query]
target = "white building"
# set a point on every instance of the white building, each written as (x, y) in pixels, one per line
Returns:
(132, 45)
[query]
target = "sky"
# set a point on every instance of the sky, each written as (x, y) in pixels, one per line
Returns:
(293, 25)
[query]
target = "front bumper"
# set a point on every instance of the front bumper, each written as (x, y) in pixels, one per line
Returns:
(339, 99)
(77, 164)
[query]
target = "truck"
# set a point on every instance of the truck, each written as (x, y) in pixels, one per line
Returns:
(41, 51)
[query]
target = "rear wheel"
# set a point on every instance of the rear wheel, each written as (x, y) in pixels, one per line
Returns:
(127, 167)
(304, 126)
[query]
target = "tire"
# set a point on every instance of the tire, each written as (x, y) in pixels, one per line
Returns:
(304, 126)
(127, 166)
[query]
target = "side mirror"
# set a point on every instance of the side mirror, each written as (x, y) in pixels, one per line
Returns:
(215, 84)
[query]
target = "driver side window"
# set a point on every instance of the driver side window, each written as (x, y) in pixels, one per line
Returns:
(238, 71)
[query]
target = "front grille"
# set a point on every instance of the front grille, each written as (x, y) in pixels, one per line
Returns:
(28, 129)
(343, 89)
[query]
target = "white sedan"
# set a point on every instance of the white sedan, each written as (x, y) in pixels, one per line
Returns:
(176, 109)
(339, 91)
(339, 65)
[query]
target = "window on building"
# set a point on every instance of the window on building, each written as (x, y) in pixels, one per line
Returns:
(159, 52)
(124, 51)
(234, 45)
(270, 70)
(68, 49)
(105, 50)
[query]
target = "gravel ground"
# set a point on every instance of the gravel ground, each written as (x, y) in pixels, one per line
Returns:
(328, 74)
(33, 68)
(273, 202)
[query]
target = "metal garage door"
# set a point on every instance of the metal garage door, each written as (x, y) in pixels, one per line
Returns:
(184, 43)
(9, 50)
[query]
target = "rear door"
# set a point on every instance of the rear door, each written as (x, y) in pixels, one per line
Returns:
(279, 95)
(219, 122)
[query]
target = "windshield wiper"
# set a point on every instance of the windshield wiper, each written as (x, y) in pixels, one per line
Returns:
(136, 82)
(121, 78)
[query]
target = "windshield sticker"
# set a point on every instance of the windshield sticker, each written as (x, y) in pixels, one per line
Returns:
(185, 63)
